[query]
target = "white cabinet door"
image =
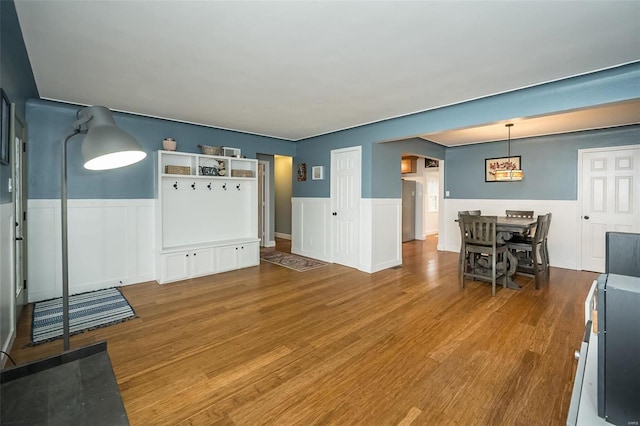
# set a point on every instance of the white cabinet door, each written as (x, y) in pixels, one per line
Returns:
(248, 255)
(201, 262)
(226, 258)
(175, 266)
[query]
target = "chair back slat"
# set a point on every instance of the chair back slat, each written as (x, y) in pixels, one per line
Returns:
(480, 230)
(520, 213)
(475, 212)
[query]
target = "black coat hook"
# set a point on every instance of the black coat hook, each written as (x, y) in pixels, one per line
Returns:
(193, 185)
(224, 186)
(175, 185)
(209, 186)
(238, 187)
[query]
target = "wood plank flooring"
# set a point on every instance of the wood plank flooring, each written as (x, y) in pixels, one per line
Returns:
(268, 345)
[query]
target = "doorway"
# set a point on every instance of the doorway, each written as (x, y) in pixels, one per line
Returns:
(609, 201)
(263, 203)
(19, 179)
(426, 174)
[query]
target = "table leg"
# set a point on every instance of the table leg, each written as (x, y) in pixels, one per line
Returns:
(512, 261)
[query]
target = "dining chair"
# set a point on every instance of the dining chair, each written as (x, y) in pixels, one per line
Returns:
(462, 251)
(532, 252)
(520, 213)
(479, 233)
(475, 212)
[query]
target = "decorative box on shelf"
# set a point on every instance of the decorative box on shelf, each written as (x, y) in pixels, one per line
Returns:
(177, 170)
(241, 173)
(231, 152)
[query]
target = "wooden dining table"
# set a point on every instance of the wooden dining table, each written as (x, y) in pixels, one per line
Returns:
(506, 227)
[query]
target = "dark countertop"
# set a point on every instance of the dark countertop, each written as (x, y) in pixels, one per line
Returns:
(74, 388)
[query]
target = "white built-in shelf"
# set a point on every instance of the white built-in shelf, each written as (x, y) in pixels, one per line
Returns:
(206, 223)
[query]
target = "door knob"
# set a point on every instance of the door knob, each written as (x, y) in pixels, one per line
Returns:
(586, 217)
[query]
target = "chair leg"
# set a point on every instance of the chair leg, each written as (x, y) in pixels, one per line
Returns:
(536, 268)
(493, 273)
(463, 268)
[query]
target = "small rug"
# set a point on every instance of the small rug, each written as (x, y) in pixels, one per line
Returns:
(87, 311)
(291, 261)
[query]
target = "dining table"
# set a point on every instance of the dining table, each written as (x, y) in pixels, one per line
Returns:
(506, 228)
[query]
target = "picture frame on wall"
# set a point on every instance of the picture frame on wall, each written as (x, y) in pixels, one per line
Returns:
(317, 173)
(302, 172)
(4, 129)
(493, 164)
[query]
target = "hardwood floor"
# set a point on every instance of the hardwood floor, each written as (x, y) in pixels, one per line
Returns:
(268, 345)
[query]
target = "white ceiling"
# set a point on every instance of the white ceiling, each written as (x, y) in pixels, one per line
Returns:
(293, 70)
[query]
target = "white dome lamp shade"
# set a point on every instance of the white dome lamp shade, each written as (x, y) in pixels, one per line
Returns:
(106, 146)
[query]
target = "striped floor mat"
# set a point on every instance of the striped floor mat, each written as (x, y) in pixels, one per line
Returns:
(87, 311)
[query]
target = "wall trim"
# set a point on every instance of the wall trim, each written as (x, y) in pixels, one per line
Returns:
(282, 235)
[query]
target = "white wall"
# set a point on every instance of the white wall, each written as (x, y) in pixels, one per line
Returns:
(563, 234)
(7, 323)
(111, 243)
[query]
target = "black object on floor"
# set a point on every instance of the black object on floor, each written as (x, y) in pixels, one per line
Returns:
(74, 388)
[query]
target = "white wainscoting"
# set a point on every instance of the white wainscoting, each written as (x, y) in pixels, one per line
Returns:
(563, 234)
(111, 243)
(311, 227)
(380, 231)
(7, 296)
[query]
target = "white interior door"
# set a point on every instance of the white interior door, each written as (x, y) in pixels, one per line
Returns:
(610, 200)
(19, 199)
(345, 203)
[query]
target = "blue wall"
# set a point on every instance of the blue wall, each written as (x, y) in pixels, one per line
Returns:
(550, 165)
(613, 85)
(16, 76)
(49, 122)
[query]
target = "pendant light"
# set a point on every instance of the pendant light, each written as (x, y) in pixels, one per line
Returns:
(510, 172)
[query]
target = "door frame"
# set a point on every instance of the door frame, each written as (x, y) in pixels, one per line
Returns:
(581, 153)
(19, 192)
(266, 212)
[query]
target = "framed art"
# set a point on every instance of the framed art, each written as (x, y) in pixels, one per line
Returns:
(302, 172)
(4, 129)
(493, 164)
(317, 172)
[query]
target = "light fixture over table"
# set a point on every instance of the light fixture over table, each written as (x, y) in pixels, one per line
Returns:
(511, 172)
(104, 147)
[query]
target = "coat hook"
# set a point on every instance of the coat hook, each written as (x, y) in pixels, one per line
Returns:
(209, 186)
(224, 186)
(193, 185)
(238, 187)
(175, 185)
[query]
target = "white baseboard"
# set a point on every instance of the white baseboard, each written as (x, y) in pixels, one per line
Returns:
(281, 235)
(270, 244)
